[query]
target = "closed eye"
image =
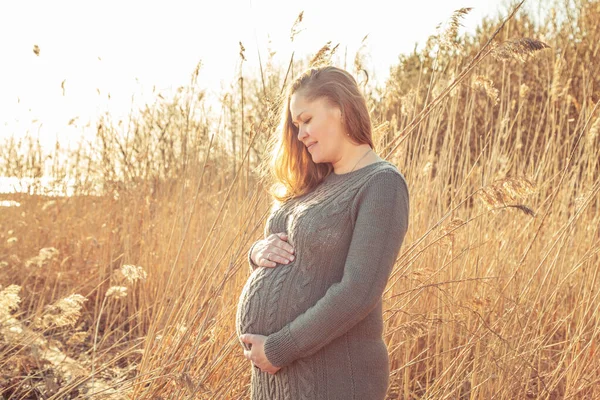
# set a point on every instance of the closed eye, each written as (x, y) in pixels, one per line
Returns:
(307, 121)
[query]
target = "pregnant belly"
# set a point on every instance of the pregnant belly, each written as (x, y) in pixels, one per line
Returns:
(261, 305)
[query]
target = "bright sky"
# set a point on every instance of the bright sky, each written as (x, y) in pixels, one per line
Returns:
(126, 48)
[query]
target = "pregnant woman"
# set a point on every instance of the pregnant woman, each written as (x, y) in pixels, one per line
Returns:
(310, 315)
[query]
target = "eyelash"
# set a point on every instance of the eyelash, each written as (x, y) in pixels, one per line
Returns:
(307, 121)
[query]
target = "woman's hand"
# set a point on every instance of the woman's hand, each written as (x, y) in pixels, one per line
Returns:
(272, 250)
(256, 354)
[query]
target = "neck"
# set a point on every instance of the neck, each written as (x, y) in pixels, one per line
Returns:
(353, 159)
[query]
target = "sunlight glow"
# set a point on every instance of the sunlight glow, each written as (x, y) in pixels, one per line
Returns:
(107, 56)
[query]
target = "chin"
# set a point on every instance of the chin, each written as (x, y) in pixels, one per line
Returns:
(317, 159)
(321, 160)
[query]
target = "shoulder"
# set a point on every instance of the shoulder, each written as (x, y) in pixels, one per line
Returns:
(382, 200)
(383, 188)
(386, 177)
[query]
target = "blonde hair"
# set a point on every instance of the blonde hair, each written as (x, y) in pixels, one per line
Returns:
(292, 169)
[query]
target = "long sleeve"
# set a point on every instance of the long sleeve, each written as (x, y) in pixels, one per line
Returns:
(380, 212)
(251, 263)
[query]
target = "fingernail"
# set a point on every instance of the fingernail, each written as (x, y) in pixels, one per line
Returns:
(291, 258)
(287, 261)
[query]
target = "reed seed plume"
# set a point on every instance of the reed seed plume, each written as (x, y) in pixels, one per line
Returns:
(499, 193)
(522, 207)
(517, 188)
(64, 312)
(9, 301)
(117, 292)
(523, 91)
(78, 338)
(519, 49)
(447, 231)
(133, 273)
(427, 168)
(323, 56)
(296, 26)
(45, 255)
(556, 88)
(447, 38)
(486, 85)
(242, 50)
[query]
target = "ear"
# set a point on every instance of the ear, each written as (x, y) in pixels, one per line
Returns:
(339, 113)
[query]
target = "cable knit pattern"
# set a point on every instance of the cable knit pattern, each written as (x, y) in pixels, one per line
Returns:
(322, 312)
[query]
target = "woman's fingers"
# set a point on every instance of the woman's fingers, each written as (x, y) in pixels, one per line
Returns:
(284, 249)
(278, 250)
(283, 244)
(279, 255)
(273, 255)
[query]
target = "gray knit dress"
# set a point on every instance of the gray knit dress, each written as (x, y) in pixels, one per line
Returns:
(322, 312)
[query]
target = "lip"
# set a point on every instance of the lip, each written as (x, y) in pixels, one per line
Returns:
(310, 146)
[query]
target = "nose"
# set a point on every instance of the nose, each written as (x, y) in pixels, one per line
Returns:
(301, 133)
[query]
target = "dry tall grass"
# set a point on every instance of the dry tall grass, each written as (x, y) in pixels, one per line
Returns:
(495, 295)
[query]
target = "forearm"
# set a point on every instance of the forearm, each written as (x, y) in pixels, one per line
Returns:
(251, 262)
(344, 304)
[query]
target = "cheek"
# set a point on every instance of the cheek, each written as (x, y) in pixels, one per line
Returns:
(312, 130)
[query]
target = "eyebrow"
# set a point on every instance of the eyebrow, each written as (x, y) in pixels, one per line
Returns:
(298, 116)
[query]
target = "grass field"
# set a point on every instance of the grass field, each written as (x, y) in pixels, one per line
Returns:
(130, 292)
